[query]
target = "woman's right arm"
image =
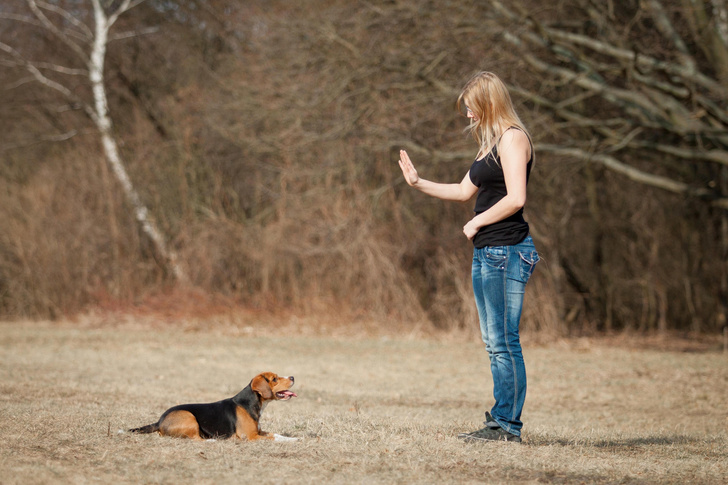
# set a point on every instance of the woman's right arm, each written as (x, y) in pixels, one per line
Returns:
(460, 192)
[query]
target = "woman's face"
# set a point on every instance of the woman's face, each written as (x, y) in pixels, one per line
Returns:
(470, 114)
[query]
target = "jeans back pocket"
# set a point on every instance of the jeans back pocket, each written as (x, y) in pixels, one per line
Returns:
(528, 263)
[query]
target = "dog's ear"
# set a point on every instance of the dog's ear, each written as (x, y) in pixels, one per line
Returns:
(262, 387)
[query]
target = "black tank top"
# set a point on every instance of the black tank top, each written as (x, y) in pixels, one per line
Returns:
(487, 175)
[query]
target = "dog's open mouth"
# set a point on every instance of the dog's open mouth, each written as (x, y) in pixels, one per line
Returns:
(285, 395)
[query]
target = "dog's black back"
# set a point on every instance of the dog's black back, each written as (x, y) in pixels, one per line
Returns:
(218, 419)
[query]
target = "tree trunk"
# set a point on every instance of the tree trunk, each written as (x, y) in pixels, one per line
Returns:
(111, 150)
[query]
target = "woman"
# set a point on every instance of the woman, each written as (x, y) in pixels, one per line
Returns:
(504, 255)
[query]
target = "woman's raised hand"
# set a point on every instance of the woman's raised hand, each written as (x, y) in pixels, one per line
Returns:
(408, 170)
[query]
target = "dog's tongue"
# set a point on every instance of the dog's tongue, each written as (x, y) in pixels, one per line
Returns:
(289, 394)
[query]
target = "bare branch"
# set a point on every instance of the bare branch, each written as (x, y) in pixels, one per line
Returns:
(134, 33)
(433, 155)
(57, 32)
(20, 82)
(632, 102)
(124, 7)
(625, 141)
(20, 18)
(599, 125)
(41, 78)
(37, 140)
(21, 61)
(714, 110)
(85, 32)
(664, 25)
(621, 140)
(721, 19)
(716, 156)
(329, 31)
(6, 63)
(707, 34)
(636, 175)
(61, 69)
(641, 60)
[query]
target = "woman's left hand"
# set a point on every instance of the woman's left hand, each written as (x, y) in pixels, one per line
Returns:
(471, 229)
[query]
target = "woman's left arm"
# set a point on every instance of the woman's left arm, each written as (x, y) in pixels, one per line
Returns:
(515, 152)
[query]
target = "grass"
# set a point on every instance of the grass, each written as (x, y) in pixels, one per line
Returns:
(370, 410)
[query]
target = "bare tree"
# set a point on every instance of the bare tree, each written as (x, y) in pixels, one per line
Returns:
(89, 45)
(676, 98)
(638, 88)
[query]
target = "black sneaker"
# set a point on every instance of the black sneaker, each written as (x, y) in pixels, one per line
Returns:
(491, 432)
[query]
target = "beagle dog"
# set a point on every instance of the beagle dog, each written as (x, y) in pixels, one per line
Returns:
(237, 416)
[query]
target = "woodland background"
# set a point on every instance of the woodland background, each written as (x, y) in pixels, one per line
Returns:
(261, 139)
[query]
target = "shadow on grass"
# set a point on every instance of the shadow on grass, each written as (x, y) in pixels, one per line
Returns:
(708, 444)
(646, 441)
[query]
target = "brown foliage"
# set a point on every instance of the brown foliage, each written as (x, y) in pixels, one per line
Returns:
(263, 138)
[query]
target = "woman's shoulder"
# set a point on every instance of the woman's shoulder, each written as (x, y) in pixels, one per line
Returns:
(513, 137)
(515, 142)
(513, 134)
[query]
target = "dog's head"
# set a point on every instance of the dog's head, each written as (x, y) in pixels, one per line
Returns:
(272, 387)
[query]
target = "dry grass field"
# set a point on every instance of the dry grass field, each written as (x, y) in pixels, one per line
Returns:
(370, 409)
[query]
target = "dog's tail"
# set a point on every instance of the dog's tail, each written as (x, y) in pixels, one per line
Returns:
(150, 428)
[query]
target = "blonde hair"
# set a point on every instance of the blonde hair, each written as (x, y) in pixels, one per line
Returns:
(488, 98)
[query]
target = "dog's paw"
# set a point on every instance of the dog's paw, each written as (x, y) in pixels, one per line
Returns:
(211, 440)
(121, 431)
(277, 437)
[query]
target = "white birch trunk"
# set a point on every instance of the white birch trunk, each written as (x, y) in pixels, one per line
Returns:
(98, 111)
(103, 122)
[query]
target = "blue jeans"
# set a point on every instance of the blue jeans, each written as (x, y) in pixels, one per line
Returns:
(500, 274)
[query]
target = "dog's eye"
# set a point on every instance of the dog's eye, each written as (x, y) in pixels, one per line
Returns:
(275, 379)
